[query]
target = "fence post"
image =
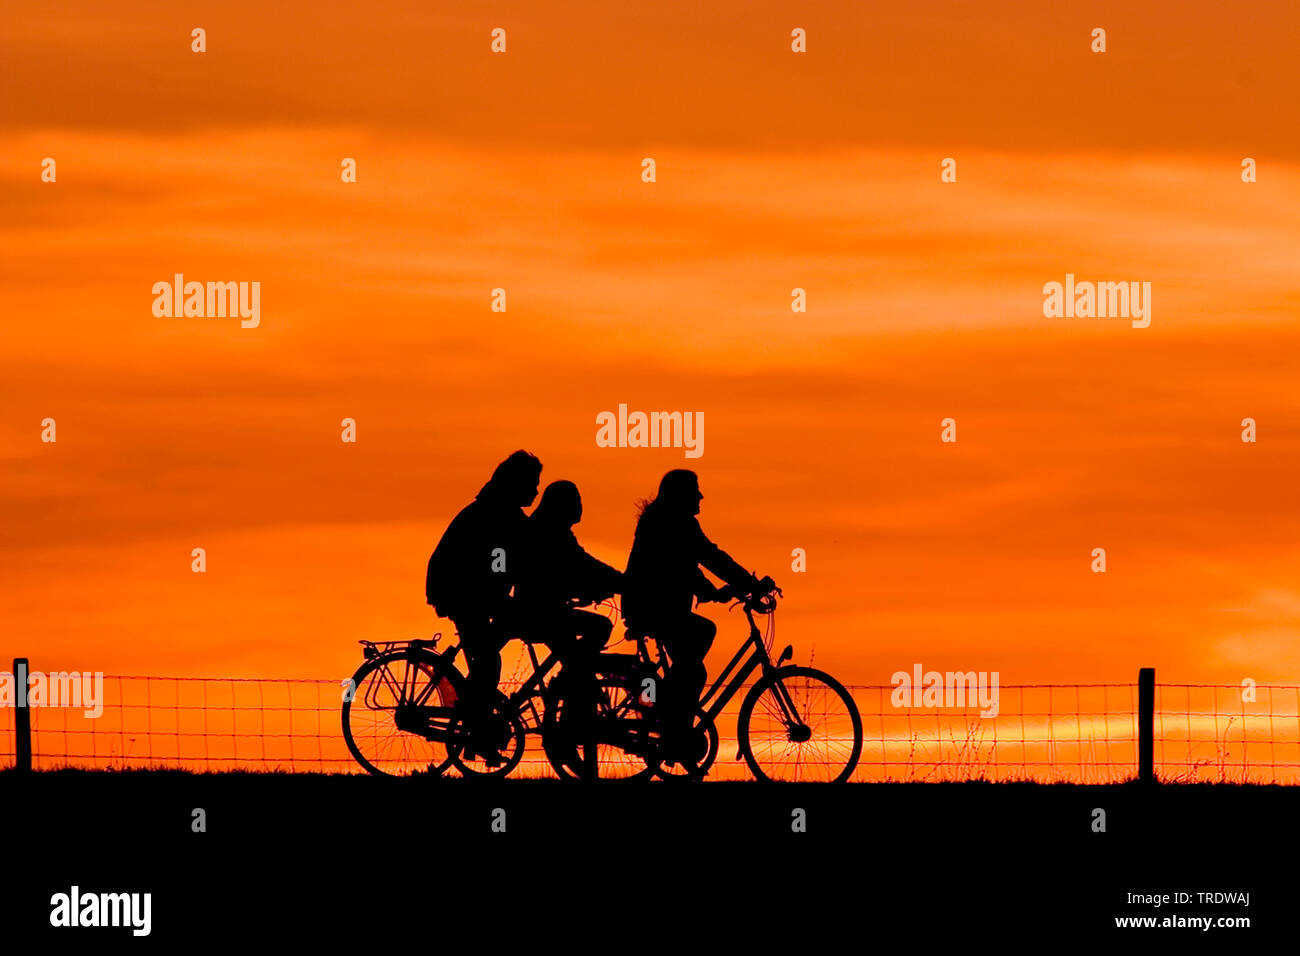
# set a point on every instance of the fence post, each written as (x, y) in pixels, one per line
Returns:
(22, 718)
(1146, 724)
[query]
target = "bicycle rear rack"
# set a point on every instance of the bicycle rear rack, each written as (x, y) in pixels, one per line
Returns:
(373, 649)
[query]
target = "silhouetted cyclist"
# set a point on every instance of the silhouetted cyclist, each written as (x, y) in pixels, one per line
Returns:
(470, 575)
(662, 580)
(555, 575)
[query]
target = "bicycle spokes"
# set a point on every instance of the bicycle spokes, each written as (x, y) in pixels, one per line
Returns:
(597, 730)
(400, 711)
(800, 724)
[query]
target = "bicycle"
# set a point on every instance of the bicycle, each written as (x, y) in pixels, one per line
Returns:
(795, 723)
(412, 719)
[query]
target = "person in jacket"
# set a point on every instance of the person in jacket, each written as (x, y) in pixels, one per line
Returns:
(556, 577)
(663, 581)
(470, 575)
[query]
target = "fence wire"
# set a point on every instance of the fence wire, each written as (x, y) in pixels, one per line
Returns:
(1080, 733)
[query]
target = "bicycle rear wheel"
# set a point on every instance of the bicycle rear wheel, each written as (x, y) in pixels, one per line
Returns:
(618, 722)
(399, 712)
(800, 724)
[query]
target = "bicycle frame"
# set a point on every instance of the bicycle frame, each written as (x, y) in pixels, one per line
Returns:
(522, 702)
(734, 675)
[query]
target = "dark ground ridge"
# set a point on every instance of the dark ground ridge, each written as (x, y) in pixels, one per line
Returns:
(302, 856)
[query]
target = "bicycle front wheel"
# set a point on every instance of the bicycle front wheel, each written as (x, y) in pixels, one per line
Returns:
(800, 724)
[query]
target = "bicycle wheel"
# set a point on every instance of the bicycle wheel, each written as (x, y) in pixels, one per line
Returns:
(706, 753)
(798, 723)
(619, 722)
(505, 732)
(399, 713)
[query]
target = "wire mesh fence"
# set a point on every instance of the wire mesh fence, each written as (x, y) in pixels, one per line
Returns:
(1079, 733)
(1215, 732)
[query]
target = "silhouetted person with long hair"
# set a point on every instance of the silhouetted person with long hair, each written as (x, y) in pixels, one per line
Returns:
(471, 572)
(662, 582)
(555, 576)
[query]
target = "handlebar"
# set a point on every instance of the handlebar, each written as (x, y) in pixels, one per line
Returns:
(761, 601)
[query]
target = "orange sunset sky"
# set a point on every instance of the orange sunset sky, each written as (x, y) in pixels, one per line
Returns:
(775, 170)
